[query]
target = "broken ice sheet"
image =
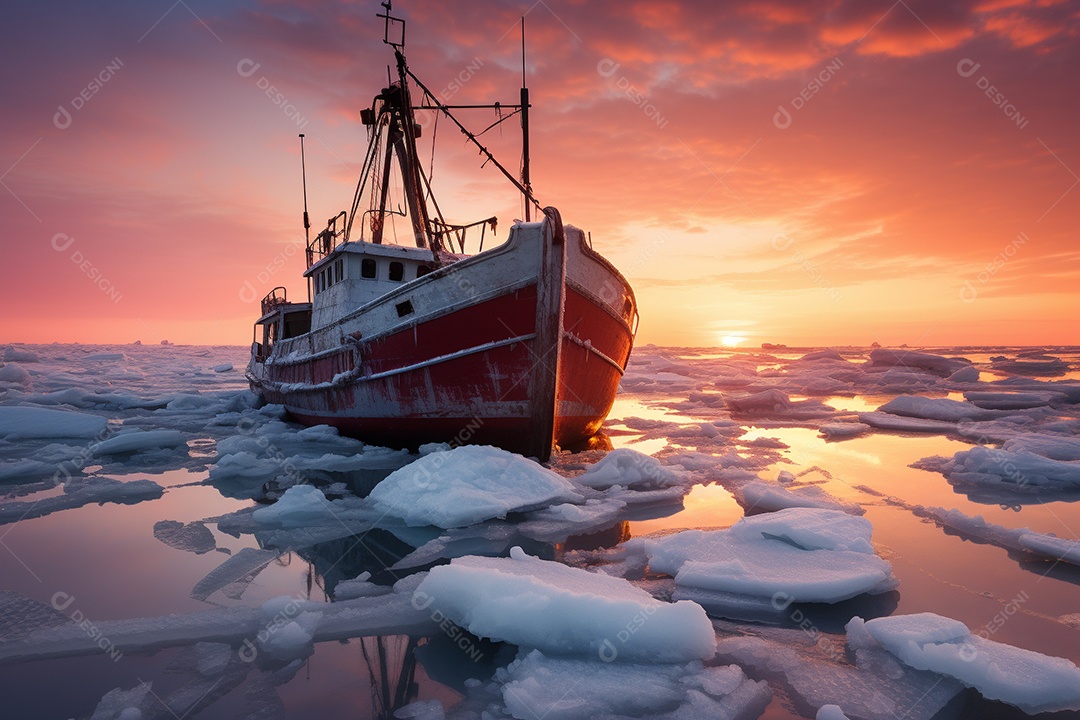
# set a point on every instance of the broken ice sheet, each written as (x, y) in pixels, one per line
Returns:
(802, 555)
(925, 641)
(563, 610)
(811, 670)
(538, 685)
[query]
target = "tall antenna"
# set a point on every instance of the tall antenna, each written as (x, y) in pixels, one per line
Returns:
(303, 173)
(525, 180)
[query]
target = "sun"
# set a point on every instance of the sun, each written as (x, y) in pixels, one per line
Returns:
(732, 340)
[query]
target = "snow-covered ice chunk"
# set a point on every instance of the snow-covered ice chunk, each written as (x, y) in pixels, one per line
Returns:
(137, 440)
(888, 421)
(17, 422)
(1045, 365)
(554, 688)
(17, 354)
(558, 522)
(1051, 546)
(1004, 468)
(13, 374)
(935, 409)
(300, 505)
(830, 712)
(1055, 447)
(760, 496)
(467, 485)
(1029, 680)
(223, 367)
(794, 555)
(1012, 400)
(843, 430)
(628, 468)
(564, 610)
(936, 364)
(809, 529)
(764, 401)
(969, 374)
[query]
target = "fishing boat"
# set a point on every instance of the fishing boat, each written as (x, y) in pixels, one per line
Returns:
(521, 345)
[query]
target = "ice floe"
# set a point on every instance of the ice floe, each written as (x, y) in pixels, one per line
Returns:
(467, 485)
(563, 610)
(18, 422)
(925, 641)
(300, 505)
(128, 442)
(629, 469)
(936, 364)
(813, 671)
(802, 555)
(558, 688)
(935, 409)
(761, 496)
(244, 627)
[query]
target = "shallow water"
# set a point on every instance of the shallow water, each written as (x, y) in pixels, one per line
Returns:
(105, 563)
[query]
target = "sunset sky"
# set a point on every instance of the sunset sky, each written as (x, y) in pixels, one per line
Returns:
(804, 172)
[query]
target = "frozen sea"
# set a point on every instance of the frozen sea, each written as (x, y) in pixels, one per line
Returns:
(780, 533)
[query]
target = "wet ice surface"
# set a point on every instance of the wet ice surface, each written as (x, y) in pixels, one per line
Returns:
(171, 549)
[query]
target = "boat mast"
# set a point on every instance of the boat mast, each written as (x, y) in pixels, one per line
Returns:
(307, 221)
(402, 132)
(525, 129)
(401, 141)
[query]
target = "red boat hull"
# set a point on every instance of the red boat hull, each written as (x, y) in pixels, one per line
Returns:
(537, 364)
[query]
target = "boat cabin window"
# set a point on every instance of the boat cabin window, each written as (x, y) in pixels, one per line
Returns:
(339, 270)
(422, 270)
(397, 271)
(367, 268)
